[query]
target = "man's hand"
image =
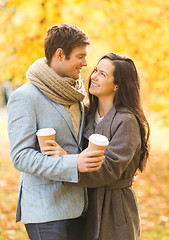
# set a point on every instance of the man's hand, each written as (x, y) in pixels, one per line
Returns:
(89, 161)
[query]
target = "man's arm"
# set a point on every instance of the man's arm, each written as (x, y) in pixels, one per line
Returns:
(22, 126)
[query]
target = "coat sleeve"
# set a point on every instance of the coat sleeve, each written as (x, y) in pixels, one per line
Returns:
(120, 152)
(22, 126)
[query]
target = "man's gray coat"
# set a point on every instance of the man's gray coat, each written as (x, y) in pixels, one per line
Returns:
(42, 195)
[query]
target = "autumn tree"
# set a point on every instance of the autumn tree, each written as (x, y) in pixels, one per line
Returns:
(135, 28)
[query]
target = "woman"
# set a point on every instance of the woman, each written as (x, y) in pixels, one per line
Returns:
(115, 111)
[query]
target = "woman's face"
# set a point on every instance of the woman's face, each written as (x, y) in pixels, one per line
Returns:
(102, 80)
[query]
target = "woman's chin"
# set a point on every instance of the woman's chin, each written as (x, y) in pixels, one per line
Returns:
(92, 91)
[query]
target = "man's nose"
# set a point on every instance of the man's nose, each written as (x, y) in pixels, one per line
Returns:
(84, 63)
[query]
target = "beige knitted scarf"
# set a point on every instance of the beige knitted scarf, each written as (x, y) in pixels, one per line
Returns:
(63, 90)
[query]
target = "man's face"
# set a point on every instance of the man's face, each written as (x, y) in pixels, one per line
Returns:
(72, 67)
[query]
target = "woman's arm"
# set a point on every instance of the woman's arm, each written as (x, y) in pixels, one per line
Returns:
(54, 149)
(124, 148)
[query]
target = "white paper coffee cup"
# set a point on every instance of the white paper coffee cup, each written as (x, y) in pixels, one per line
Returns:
(97, 142)
(45, 134)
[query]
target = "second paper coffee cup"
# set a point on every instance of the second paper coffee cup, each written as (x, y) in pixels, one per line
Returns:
(97, 142)
(45, 134)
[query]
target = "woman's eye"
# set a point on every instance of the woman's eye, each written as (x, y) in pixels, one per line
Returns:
(102, 74)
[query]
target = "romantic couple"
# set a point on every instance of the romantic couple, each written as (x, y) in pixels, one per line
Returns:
(67, 192)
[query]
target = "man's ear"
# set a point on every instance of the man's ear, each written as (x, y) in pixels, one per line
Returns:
(59, 54)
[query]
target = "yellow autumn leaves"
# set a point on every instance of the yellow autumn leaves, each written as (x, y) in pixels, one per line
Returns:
(135, 28)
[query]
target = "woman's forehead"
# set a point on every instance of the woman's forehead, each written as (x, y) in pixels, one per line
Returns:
(105, 65)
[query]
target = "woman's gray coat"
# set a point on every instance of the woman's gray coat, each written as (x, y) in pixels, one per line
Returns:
(113, 210)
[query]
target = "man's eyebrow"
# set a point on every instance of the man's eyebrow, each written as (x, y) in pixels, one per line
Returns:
(81, 54)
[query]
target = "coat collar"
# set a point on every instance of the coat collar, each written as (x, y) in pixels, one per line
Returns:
(103, 127)
(66, 116)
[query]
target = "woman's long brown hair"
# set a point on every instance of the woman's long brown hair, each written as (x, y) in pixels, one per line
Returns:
(128, 96)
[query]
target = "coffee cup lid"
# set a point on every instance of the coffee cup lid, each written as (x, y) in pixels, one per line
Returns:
(99, 139)
(45, 132)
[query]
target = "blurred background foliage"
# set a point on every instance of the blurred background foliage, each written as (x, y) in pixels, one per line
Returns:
(136, 28)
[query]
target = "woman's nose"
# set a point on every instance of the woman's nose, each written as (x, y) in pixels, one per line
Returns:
(94, 76)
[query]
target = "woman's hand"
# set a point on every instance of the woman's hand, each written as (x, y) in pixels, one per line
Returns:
(54, 149)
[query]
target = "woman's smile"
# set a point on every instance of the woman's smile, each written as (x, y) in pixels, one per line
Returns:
(93, 84)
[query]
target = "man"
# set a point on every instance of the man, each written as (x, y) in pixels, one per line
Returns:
(51, 98)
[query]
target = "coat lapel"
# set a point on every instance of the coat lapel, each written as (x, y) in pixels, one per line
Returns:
(65, 115)
(104, 126)
(101, 128)
(82, 124)
(89, 128)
